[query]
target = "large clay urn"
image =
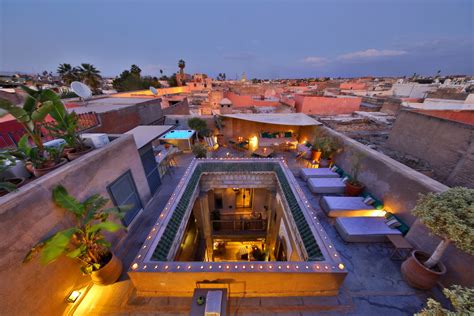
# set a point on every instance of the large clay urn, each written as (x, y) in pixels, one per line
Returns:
(419, 276)
(109, 273)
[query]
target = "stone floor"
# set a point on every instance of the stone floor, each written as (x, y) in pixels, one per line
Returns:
(373, 286)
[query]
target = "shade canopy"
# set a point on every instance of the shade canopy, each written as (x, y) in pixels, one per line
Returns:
(146, 134)
(292, 119)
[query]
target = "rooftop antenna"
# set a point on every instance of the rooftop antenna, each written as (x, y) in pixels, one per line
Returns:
(82, 90)
(154, 91)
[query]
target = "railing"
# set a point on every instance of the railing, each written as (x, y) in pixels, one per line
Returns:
(241, 225)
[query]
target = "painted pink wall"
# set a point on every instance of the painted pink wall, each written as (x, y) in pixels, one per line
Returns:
(310, 104)
(245, 100)
(353, 86)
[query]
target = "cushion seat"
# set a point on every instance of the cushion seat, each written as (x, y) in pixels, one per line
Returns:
(364, 229)
(346, 206)
(326, 185)
(307, 173)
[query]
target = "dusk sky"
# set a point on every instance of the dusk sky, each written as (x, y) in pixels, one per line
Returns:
(264, 39)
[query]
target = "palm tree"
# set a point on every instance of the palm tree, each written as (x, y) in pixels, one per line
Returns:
(90, 76)
(67, 73)
(181, 65)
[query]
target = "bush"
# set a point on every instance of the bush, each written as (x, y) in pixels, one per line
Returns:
(199, 150)
(461, 298)
(197, 124)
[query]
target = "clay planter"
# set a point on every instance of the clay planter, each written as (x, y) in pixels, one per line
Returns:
(419, 276)
(38, 172)
(354, 189)
(109, 273)
(315, 155)
(73, 154)
(18, 182)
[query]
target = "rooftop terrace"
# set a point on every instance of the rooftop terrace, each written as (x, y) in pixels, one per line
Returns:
(373, 286)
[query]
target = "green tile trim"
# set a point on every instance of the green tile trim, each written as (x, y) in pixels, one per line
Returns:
(164, 245)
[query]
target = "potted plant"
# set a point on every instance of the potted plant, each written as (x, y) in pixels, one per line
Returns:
(353, 186)
(65, 126)
(449, 216)
(31, 116)
(84, 242)
(323, 150)
(8, 184)
(462, 300)
(41, 162)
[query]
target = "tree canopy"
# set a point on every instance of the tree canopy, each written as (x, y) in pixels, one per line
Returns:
(449, 215)
(130, 80)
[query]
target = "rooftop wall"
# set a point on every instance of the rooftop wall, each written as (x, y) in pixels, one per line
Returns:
(448, 146)
(245, 100)
(29, 215)
(398, 186)
(318, 105)
(124, 119)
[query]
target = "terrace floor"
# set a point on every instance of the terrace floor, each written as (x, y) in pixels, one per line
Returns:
(373, 286)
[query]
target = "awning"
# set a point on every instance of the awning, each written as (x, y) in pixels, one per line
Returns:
(292, 119)
(144, 134)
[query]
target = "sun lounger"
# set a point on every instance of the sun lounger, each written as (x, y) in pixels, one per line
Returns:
(346, 206)
(326, 185)
(307, 173)
(364, 229)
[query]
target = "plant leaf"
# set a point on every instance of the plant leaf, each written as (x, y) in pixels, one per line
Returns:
(57, 245)
(76, 252)
(108, 226)
(64, 200)
(39, 114)
(7, 186)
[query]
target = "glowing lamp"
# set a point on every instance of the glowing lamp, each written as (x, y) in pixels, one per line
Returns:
(341, 266)
(73, 296)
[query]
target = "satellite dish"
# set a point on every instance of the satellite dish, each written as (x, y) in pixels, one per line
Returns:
(81, 90)
(153, 90)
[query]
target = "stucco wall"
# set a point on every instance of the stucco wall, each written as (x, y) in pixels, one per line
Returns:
(448, 146)
(310, 104)
(246, 100)
(29, 215)
(121, 120)
(398, 186)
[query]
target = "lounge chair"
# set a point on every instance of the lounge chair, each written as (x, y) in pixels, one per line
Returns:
(326, 185)
(307, 173)
(364, 229)
(346, 206)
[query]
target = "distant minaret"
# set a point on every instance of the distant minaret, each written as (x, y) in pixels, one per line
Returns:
(244, 77)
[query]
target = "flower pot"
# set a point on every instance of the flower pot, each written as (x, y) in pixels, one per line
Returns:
(18, 182)
(38, 172)
(74, 154)
(109, 273)
(419, 276)
(315, 155)
(324, 163)
(354, 189)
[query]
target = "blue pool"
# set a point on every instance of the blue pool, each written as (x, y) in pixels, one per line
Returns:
(178, 134)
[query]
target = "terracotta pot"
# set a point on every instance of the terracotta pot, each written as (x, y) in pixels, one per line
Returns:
(354, 189)
(73, 154)
(18, 182)
(315, 155)
(109, 273)
(38, 172)
(419, 276)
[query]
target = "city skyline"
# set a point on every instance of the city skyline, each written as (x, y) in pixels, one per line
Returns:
(265, 40)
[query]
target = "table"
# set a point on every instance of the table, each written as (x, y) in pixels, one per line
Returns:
(402, 247)
(198, 310)
(263, 152)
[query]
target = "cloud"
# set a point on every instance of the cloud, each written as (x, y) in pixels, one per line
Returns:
(371, 53)
(315, 61)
